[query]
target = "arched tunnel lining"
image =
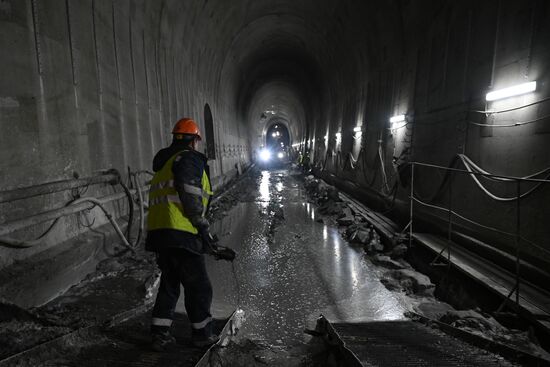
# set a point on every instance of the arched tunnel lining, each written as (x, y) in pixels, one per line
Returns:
(97, 84)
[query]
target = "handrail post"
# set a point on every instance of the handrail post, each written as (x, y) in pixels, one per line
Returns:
(411, 206)
(517, 239)
(450, 229)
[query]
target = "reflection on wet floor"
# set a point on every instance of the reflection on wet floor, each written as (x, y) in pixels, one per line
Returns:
(306, 268)
(264, 188)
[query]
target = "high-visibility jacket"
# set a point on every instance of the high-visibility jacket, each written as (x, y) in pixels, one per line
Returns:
(165, 209)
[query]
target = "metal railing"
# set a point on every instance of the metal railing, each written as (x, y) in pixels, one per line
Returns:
(516, 234)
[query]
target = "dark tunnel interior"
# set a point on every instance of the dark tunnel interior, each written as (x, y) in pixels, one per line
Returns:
(433, 113)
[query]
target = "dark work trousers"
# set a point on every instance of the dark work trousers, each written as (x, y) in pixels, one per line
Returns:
(179, 266)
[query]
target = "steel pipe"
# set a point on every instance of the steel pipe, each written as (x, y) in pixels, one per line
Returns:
(57, 186)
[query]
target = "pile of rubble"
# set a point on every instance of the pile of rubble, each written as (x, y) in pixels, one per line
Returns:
(355, 229)
(399, 276)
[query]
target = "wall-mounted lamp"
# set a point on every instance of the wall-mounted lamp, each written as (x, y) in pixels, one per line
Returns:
(398, 121)
(516, 90)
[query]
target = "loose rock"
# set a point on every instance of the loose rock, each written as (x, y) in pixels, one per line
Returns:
(411, 282)
(399, 252)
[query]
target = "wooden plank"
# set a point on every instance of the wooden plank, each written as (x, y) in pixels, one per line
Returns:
(382, 219)
(386, 230)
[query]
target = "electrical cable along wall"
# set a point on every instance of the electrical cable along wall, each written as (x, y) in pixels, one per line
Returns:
(429, 97)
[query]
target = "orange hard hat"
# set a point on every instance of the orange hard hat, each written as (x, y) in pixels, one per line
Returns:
(187, 126)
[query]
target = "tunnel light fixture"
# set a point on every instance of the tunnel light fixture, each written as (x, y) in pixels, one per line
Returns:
(398, 121)
(397, 118)
(515, 90)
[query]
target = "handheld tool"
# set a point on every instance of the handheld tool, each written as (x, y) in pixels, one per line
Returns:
(219, 252)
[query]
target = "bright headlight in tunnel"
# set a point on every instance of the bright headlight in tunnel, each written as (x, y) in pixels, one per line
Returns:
(265, 155)
(280, 155)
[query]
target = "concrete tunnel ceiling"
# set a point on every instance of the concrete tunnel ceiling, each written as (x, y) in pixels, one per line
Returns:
(286, 54)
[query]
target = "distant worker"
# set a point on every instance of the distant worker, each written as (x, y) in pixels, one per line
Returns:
(178, 232)
(305, 162)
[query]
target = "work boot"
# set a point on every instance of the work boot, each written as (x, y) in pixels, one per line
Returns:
(203, 337)
(204, 341)
(162, 341)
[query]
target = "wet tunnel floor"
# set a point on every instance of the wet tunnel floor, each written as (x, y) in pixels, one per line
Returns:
(291, 267)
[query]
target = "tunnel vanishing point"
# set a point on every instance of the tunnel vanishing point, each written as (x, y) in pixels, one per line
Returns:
(436, 113)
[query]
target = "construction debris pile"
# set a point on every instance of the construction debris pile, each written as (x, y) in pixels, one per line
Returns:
(399, 276)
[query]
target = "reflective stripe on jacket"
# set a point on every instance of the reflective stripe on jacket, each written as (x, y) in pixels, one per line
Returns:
(165, 209)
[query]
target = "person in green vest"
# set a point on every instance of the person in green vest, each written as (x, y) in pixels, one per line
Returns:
(178, 233)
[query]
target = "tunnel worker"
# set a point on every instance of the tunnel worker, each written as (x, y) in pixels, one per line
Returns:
(178, 200)
(305, 162)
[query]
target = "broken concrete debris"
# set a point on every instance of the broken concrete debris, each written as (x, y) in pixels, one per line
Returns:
(358, 231)
(399, 251)
(483, 324)
(411, 282)
(346, 217)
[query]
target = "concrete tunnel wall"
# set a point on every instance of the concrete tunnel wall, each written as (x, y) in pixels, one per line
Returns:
(96, 84)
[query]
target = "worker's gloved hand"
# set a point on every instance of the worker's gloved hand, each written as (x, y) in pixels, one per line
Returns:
(208, 239)
(224, 253)
(211, 246)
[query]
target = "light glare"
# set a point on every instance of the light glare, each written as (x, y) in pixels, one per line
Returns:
(265, 155)
(398, 118)
(516, 90)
